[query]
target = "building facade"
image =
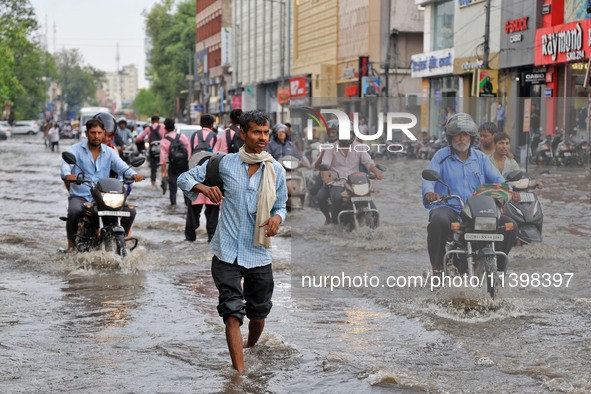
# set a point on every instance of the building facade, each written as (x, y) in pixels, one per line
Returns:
(213, 57)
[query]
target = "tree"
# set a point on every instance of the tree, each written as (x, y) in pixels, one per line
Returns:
(78, 82)
(144, 103)
(25, 68)
(173, 45)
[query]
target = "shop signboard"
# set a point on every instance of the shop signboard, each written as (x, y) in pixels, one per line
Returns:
(533, 78)
(298, 87)
(432, 63)
(563, 43)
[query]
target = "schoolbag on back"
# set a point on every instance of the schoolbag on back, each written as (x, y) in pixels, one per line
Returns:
(155, 138)
(202, 144)
(234, 143)
(178, 157)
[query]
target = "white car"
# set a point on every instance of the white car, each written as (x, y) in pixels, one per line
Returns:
(5, 128)
(25, 127)
(186, 129)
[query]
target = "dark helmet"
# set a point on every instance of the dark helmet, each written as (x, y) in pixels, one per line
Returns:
(108, 121)
(277, 128)
(460, 123)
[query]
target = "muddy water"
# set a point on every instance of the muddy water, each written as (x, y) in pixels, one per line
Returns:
(93, 323)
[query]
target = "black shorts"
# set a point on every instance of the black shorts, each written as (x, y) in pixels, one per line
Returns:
(257, 292)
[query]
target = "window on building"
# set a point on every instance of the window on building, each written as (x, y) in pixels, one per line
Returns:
(443, 25)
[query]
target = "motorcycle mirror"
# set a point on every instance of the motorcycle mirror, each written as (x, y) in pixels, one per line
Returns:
(514, 175)
(69, 157)
(431, 175)
(324, 167)
(138, 161)
(381, 167)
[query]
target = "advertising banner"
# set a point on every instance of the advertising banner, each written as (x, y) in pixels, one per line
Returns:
(563, 43)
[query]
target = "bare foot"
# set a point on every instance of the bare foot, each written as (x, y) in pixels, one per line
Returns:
(327, 221)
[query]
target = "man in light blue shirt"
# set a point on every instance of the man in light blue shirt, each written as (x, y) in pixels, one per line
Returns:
(253, 207)
(463, 169)
(96, 161)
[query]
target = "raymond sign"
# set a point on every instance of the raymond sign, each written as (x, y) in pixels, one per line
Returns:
(563, 43)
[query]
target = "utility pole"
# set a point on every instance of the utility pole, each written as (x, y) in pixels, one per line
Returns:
(486, 35)
(486, 51)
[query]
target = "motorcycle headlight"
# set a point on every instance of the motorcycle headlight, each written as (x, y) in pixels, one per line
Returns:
(361, 189)
(147, 145)
(485, 224)
(113, 200)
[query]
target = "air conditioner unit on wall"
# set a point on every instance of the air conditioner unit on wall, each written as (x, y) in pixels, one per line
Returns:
(412, 100)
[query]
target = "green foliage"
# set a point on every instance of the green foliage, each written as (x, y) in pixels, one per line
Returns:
(78, 82)
(173, 45)
(25, 68)
(145, 104)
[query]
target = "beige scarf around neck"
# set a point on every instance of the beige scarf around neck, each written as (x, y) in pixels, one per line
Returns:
(266, 194)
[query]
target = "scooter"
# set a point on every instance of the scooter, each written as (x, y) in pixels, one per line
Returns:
(296, 181)
(566, 152)
(471, 249)
(581, 153)
(527, 213)
(358, 206)
(101, 224)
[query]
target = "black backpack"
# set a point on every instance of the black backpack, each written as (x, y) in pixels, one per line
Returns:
(155, 138)
(235, 142)
(178, 157)
(202, 145)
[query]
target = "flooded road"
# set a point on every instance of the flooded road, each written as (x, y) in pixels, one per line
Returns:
(92, 323)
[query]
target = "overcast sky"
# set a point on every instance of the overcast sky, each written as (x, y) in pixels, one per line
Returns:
(95, 27)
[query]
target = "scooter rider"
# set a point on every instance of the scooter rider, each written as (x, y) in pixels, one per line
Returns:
(463, 169)
(344, 161)
(96, 160)
(279, 146)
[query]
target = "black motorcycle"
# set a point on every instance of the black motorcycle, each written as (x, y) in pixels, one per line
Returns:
(101, 224)
(471, 250)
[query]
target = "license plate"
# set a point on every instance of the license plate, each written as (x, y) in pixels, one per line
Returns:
(567, 154)
(483, 237)
(114, 213)
(527, 197)
(357, 199)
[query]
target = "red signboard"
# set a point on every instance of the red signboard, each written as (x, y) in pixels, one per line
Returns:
(351, 90)
(516, 25)
(283, 96)
(298, 87)
(236, 102)
(563, 43)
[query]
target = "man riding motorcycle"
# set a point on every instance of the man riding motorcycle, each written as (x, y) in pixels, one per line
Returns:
(343, 160)
(96, 160)
(463, 169)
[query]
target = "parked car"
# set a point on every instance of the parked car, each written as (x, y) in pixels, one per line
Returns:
(25, 127)
(5, 129)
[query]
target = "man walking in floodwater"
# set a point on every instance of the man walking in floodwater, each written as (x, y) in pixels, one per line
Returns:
(253, 207)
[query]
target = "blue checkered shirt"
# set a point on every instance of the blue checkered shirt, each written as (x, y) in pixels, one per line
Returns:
(234, 236)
